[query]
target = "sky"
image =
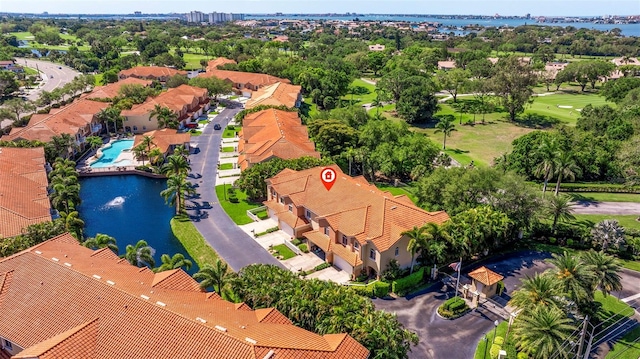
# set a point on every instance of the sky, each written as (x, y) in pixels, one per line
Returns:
(475, 7)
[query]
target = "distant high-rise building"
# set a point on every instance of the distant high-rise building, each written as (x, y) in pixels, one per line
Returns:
(137, 13)
(528, 16)
(213, 18)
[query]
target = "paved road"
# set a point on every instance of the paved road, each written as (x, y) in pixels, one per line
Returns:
(614, 208)
(61, 75)
(229, 241)
(458, 339)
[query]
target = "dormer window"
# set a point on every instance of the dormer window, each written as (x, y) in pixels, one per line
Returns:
(282, 200)
(356, 245)
(7, 344)
(345, 241)
(290, 208)
(307, 214)
(326, 231)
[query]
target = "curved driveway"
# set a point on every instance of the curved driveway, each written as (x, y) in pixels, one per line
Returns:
(61, 75)
(226, 238)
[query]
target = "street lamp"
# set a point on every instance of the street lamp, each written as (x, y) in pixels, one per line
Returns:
(486, 344)
(495, 330)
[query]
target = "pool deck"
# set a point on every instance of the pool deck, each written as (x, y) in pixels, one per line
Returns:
(85, 170)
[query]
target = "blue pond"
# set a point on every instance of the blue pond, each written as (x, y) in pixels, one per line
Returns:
(110, 154)
(130, 208)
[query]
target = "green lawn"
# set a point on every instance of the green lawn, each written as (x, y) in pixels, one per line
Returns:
(361, 99)
(398, 191)
(228, 149)
(236, 211)
(226, 166)
(30, 71)
(284, 251)
(196, 133)
(230, 132)
(193, 242)
(627, 347)
(627, 221)
(22, 35)
(548, 105)
(612, 306)
(604, 197)
(192, 61)
(487, 340)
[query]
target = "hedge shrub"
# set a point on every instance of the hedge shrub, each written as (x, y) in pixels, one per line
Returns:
(495, 351)
(363, 290)
(498, 340)
(522, 355)
(371, 290)
(453, 308)
(400, 286)
(322, 266)
(303, 247)
(381, 289)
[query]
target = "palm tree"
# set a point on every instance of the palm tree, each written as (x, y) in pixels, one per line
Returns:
(110, 114)
(176, 166)
(177, 189)
(605, 270)
(147, 141)
(539, 290)
(140, 255)
(213, 276)
(560, 209)
(73, 224)
(94, 142)
(101, 241)
(65, 197)
(575, 277)
(543, 332)
(565, 167)
(417, 241)
(436, 242)
(155, 156)
(446, 126)
(548, 151)
(608, 232)
(180, 151)
(140, 151)
(165, 117)
(177, 261)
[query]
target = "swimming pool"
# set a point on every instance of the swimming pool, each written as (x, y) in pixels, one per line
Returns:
(110, 154)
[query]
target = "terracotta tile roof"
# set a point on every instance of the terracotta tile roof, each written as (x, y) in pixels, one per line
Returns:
(485, 276)
(180, 100)
(271, 315)
(353, 206)
(111, 90)
(150, 72)
(273, 133)
(84, 306)
(239, 77)
(278, 94)
(69, 119)
(319, 239)
(213, 64)
(23, 189)
(164, 138)
(345, 252)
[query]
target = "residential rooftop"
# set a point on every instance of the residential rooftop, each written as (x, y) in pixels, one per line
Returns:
(278, 94)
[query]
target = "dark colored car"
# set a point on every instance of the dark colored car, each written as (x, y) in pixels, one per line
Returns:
(217, 127)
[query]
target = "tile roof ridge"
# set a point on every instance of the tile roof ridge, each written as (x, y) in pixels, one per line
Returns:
(46, 345)
(6, 279)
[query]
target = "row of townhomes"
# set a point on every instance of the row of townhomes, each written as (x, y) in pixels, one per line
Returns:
(355, 226)
(62, 300)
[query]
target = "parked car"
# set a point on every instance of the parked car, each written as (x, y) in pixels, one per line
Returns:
(60, 67)
(217, 127)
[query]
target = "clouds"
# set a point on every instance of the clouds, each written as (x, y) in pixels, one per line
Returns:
(476, 7)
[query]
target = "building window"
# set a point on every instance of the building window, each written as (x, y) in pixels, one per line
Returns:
(290, 208)
(135, 128)
(326, 231)
(397, 251)
(7, 344)
(372, 254)
(282, 200)
(144, 128)
(307, 214)
(356, 245)
(344, 240)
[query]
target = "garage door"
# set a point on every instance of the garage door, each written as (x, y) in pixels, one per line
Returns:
(342, 264)
(286, 228)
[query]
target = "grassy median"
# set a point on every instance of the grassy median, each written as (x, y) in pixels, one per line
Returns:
(193, 242)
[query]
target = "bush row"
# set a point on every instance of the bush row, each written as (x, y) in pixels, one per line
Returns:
(372, 290)
(400, 286)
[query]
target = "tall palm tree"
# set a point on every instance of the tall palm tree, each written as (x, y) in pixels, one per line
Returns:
(213, 276)
(575, 277)
(606, 271)
(436, 242)
(147, 141)
(108, 115)
(559, 207)
(100, 241)
(155, 156)
(140, 255)
(565, 167)
(181, 151)
(64, 197)
(177, 189)
(417, 241)
(176, 166)
(165, 117)
(541, 289)
(73, 224)
(177, 261)
(446, 126)
(94, 142)
(548, 151)
(543, 332)
(140, 151)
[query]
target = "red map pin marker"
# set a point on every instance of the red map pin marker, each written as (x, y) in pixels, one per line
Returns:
(328, 177)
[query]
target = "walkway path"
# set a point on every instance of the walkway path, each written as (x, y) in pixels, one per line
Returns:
(613, 208)
(224, 236)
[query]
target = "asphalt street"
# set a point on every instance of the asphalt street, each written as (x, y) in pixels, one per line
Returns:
(612, 208)
(226, 238)
(55, 75)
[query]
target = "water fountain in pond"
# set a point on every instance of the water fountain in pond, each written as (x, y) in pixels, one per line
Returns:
(118, 201)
